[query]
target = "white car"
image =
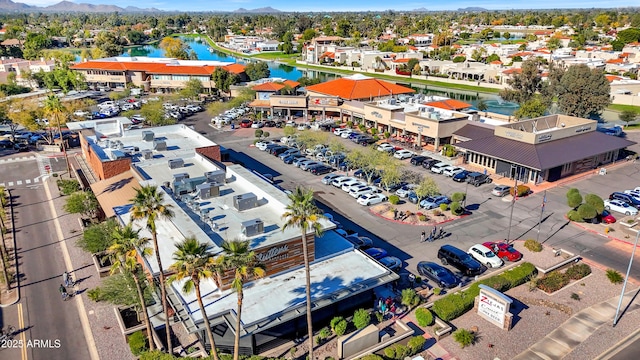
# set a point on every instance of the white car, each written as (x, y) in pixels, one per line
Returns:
(439, 167)
(346, 186)
(356, 193)
(404, 191)
(341, 180)
(621, 207)
(371, 199)
(485, 256)
(385, 147)
(345, 134)
(403, 154)
(307, 165)
(634, 193)
(452, 171)
(257, 125)
(339, 131)
(80, 113)
(262, 145)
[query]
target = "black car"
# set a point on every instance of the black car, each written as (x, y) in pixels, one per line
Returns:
(451, 255)
(394, 187)
(269, 123)
(278, 151)
(360, 242)
(438, 274)
(417, 160)
(476, 179)
(21, 147)
(366, 141)
(320, 169)
(461, 176)
(6, 144)
(428, 163)
(291, 158)
(625, 198)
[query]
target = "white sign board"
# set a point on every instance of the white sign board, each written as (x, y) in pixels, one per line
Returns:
(493, 305)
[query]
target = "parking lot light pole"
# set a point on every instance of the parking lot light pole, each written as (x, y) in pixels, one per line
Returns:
(626, 279)
(513, 204)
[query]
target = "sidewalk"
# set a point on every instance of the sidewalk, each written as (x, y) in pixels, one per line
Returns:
(577, 329)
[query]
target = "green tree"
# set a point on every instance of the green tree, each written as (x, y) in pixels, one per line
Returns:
(532, 108)
(303, 213)
(482, 106)
(34, 44)
(493, 57)
(223, 79)
(257, 70)
(82, 202)
(595, 201)
(524, 85)
(427, 187)
(58, 116)
(154, 114)
(192, 89)
(587, 211)
(136, 37)
(628, 35)
(239, 258)
(391, 173)
(628, 116)
(574, 199)
(97, 238)
(174, 48)
(411, 64)
(108, 45)
(127, 246)
(148, 204)
(583, 92)
(287, 46)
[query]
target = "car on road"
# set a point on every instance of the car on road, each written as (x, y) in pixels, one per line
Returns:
(461, 176)
(246, 123)
(621, 207)
(504, 251)
(360, 242)
(433, 202)
(376, 253)
(476, 179)
(403, 154)
(329, 178)
(404, 191)
(417, 160)
(439, 167)
(371, 199)
(451, 255)
(391, 262)
(451, 171)
(442, 276)
(485, 256)
(501, 190)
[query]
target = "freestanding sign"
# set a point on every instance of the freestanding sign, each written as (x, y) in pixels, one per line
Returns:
(494, 307)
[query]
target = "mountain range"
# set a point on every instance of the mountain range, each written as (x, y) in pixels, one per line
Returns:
(68, 6)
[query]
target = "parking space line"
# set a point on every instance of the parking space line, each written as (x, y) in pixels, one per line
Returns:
(1, 184)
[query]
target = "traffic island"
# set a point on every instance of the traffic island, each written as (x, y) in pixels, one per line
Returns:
(407, 213)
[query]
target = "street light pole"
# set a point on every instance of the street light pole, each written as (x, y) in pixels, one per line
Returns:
(513, 204)
(626, 279)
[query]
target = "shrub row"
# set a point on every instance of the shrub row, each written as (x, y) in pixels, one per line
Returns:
(399, 351)
(553, 281)
(455, 304)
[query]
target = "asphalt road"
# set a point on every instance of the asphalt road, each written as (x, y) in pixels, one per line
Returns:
(52, 328)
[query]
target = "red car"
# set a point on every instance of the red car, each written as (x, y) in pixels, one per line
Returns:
(246, 123)
(606, 217)
(505, 251)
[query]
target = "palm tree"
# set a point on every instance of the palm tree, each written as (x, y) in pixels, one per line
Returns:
(127, 245)
(195, 262)
(57, 114)
(148, 204)
(482, 106)
(243, 261)
(302, 212)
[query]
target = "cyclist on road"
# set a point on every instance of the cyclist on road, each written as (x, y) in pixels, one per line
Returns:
(63, 291)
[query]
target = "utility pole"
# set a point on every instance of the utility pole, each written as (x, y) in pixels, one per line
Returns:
(513, 204)
(626, 279)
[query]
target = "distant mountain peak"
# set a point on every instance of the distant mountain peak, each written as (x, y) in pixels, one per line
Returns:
(68, 6)
(262, 10)
(472, 9)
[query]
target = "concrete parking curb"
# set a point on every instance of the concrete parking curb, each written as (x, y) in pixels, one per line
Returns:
(597, 233)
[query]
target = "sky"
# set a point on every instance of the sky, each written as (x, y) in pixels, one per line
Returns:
(351, 5)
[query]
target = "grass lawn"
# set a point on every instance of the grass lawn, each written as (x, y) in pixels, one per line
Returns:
(621, 108)
(633, 127)
(275, 55)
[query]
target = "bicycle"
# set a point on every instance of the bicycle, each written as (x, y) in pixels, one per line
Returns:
(8, 333)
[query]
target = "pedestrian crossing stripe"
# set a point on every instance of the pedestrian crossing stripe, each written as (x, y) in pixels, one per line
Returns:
(27, 181)
(36, 179)
(10, 183)
(19, 182)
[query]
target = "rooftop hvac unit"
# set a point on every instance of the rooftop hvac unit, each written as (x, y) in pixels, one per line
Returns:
(217, 176)
(252, 227)
(244, 202)
(147, 154)
(176, 163)
(147, 135)
(207, 190)
(392, 101)
(159, 145)
(180, 176)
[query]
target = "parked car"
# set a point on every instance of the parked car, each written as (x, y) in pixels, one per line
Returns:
(428, 163)
(376, 253)
(246, 123)
(371, 199)
(451, 171)
(341, 180)
(403, 154)
(449, 254)
(308, 165)
(366, 141)
(360, 242)
(340, 131)
(433, 202)
(21, 147)
(262, 145)
(301, 161)
(346, 133)
(621, 207)
(391, 262)
(439, 167)
(394, 187)
(291, 158)
(485, 256)
(257, 125)
(404, 191)
(476, 179)
(631, 200)
(461, 176)
(351, 184)
(442, 276)
(504, 251)
(357, 192)
(417, 160)
(501, 190)
(279, 150)
(329, 178)
(289, 152)
(320, 169)
(634, 193)
(606, 217)
(413, 197)
(385, 147)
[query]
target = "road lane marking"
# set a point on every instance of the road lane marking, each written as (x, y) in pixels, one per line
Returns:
(1, 184)
(10, 183)
(23, 336)
(84, 319)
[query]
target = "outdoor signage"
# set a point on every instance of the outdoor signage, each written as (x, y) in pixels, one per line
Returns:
(493, 306)
(545, 137)
(583, 128)
(376, 114)
(288, 102)
(324, 101)
(513, 134)
(274, 254)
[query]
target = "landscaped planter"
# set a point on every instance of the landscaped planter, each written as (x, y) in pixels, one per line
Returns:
(629, 224)
(102, 263)
(128, 320)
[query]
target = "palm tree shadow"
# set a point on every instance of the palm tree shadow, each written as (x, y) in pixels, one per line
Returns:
(327, 287)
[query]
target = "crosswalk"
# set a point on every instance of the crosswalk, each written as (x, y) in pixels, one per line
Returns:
(44, 164)
(18, 159)
(21, 182)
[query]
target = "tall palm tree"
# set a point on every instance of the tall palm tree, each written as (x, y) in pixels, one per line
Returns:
(127, 245)
(244, 262)
(303, 213)
(57, 114)
(148, 203)
(195, 262)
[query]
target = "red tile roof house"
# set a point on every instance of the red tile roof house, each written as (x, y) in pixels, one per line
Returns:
(152, 73)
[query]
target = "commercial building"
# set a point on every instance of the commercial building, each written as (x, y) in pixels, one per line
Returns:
(214, 202)
(162, 74)
(547, 148)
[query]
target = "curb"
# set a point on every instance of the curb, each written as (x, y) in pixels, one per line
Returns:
(405, 223)
(598, 233)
